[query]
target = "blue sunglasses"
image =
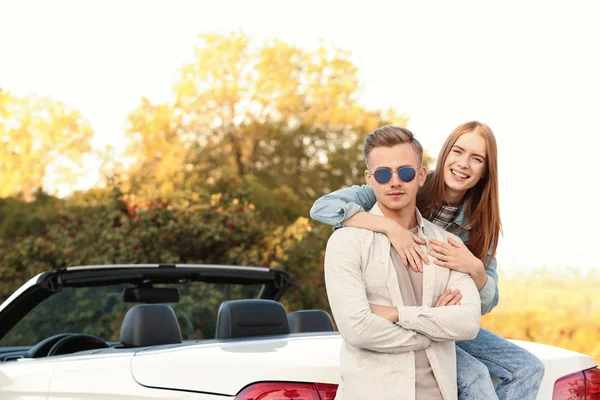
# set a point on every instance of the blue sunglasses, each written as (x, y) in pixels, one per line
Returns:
(383, 175)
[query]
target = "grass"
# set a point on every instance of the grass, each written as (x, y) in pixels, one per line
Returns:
(559, 308)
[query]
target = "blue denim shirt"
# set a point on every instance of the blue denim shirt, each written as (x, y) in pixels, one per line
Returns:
(334, 208)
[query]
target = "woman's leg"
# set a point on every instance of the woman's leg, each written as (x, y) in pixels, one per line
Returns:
(519, 371)
(473, 378)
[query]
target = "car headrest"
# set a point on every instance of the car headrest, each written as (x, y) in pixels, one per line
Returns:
(242, 318)
(310, 321)
(149, 325)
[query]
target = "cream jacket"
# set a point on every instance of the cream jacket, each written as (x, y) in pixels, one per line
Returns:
(377, 357)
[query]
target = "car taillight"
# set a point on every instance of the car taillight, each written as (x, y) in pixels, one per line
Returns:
(592, 383)
(288, 390)
(584, 385)
(327, 391)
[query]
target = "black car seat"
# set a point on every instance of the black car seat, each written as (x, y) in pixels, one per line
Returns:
(310, 321)
(150, 325)
(251, 317)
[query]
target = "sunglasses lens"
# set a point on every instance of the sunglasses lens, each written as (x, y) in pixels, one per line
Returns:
(406, 174)
(382, 175)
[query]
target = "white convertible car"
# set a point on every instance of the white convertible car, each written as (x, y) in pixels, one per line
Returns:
(190, 332)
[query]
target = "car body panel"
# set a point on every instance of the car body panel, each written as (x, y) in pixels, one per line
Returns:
(558, 362)
(227, 367)
(106, 376)
(26, 379)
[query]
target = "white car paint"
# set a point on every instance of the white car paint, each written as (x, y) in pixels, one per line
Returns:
(105, 377)
(227, 367)
(180, 266)
(26, 379)
(82, 377)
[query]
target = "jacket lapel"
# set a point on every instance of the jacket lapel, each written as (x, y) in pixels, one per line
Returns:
(386, 260)
(431, 272)
(390, 272)
(429, 277)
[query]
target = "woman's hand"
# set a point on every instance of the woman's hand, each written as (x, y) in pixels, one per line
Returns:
(407, 246)
(455, 255)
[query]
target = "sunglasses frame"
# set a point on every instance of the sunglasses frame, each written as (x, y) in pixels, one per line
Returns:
(397, 171)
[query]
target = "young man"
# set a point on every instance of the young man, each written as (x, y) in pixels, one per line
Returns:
(398, 326)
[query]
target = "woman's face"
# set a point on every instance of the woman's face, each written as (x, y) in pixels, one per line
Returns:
(465, 165)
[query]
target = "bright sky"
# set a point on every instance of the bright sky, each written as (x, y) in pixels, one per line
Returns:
(531, 70)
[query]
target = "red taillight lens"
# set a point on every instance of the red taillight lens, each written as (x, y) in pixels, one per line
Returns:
(288, 390)
(327, 391)
(570, 387)
(592, 384)
(584, 385)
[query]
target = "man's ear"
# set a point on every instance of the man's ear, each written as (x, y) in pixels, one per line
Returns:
(368, 178)
(422, 174)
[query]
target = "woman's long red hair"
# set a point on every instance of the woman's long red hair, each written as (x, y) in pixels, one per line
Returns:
(482, 201)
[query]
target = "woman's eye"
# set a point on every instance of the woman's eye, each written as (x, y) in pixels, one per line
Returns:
(456, 151)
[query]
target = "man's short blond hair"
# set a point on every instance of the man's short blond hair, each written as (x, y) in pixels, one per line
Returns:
(389, 136)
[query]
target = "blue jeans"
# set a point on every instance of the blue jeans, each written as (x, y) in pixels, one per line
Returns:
(520, 372)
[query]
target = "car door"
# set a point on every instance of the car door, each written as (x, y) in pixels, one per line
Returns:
(90, 376)
(25, 378)
(108, 376)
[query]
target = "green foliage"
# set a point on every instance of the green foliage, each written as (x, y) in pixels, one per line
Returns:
(187, 228)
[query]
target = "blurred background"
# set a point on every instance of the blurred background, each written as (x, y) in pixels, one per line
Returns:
(202, 132)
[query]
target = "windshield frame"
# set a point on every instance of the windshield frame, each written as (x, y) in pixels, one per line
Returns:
(36, 290)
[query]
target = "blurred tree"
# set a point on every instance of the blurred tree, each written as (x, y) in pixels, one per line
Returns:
(39, 137)
(224, 174)
(20, 218)
(276, 119)
(104, 226)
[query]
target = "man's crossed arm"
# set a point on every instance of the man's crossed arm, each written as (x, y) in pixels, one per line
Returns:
(350, 306)
(415, 327)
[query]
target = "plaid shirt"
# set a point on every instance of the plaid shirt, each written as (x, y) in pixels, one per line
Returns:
(443, 215)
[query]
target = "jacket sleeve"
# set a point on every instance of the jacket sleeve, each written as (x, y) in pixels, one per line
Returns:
(334, 208)
(350, 306)
(490, 294)
(459, 322)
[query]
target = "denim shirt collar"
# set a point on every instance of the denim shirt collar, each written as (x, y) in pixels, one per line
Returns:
(461, 220)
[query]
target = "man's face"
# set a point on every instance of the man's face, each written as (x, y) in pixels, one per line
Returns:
(396, 194)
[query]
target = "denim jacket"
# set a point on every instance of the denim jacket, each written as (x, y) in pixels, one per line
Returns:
(334, 208)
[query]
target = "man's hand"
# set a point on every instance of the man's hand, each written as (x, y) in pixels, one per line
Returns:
(388, 312)
(449, 298)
